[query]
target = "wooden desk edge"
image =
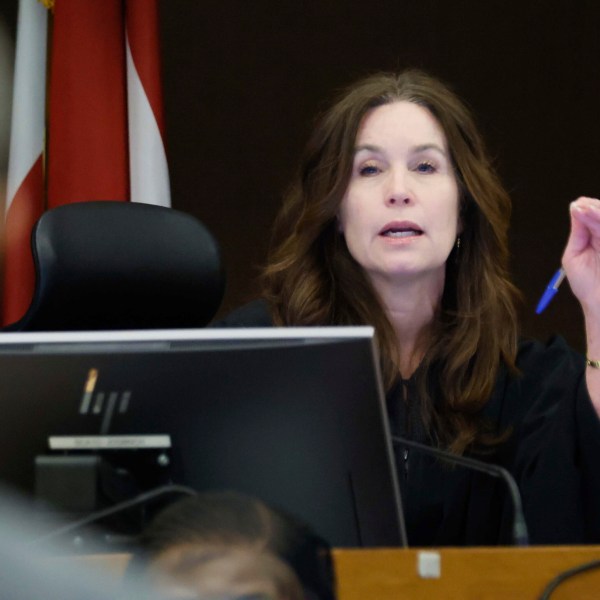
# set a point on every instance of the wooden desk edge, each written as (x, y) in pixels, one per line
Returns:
(482, 573)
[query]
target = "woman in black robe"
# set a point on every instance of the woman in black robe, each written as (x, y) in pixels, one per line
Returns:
(397, 220)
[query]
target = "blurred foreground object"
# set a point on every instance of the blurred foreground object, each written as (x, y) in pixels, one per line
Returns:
(225, 573)
(213, 525)
(27, 571)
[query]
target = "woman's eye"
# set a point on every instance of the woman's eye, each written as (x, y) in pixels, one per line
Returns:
(425, 167)
(367, 170)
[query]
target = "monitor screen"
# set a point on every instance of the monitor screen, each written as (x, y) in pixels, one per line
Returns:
(295, 417)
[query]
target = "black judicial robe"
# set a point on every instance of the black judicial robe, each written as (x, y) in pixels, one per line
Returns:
(553, 452)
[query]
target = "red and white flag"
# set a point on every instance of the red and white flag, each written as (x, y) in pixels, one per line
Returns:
(25, 185)
(148, 172)
(104, 118)
(87, 104)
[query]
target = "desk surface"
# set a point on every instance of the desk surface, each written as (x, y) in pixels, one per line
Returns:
(466, 573)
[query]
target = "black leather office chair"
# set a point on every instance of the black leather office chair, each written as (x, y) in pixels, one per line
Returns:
(122, 265)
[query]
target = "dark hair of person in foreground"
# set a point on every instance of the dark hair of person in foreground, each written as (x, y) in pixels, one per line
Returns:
(221, 524)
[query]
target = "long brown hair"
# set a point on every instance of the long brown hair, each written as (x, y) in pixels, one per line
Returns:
(311, 278)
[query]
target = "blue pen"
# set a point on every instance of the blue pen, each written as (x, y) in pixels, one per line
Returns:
(550, 290)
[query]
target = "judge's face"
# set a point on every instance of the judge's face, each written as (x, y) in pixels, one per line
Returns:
(400, 213)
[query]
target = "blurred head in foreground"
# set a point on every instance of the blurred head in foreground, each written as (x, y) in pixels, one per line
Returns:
(227, 533)
(194, 571)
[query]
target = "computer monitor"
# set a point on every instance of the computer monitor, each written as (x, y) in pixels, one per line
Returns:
(295, 417)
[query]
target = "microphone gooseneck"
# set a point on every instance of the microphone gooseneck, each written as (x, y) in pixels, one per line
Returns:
(520, 534)
(116, 509)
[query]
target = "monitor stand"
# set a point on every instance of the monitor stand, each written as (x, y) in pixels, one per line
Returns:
(75, 487)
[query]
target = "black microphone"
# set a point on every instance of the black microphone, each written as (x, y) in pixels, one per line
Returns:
(520, 535)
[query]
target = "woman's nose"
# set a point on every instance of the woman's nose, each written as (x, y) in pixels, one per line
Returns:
(401, 199)
(399, 191)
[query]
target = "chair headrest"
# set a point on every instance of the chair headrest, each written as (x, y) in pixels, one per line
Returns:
(122, 265)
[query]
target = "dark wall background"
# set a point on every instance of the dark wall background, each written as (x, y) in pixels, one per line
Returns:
(244, 80)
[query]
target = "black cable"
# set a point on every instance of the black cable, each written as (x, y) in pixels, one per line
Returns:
(116, 509)
(562, 577)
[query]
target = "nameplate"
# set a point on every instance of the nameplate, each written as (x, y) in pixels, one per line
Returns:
(108, 442)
